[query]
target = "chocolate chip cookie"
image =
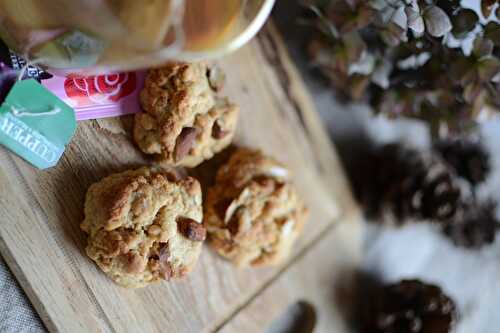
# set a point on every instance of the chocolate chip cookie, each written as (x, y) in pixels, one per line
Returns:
(184, 121)
(253, 214)
(144, 226)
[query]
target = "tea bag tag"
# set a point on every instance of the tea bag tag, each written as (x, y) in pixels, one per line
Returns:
(35, 124)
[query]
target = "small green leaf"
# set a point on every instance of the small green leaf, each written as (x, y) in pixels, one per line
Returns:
(459, 68)
(342, 16)
(364, 66)
(354, 46)
(471, 92)
(378, 4)
(488, 68)
(400, 19)
(470, 76)
(393, 34)
(487, 7)
(384, 15)
(358, 85)
(449, 6)
(492, 32)
(482, 47)
(437, 23)
(380, 75)
(415, 21)
(365, 17)
(464, 22)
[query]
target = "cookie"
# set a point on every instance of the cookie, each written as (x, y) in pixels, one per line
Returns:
(253, 214)
(184, 121)
(144, 226)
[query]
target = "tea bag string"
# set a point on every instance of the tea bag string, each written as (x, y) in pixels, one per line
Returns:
(28, 63)
(23, 112)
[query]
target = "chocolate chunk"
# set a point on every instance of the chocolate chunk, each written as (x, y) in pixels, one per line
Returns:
(218, 132)
(221, 207)
(234, 225)
(263, 180)
(185, 142)
(191, 229)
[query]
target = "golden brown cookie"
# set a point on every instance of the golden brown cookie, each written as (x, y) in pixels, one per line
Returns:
(253, 213)
(144, 226)
(184, 121)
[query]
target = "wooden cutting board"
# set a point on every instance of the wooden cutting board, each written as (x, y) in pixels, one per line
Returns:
(42, 243)
(314, 294)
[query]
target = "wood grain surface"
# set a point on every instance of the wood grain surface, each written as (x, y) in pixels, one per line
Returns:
(323, 275)
(41, 241)
(323, 279)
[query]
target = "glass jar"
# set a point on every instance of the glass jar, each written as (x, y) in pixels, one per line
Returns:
(96, 36)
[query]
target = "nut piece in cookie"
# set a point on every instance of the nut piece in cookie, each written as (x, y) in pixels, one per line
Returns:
(253, 214)
(136, 222)
(184, 121)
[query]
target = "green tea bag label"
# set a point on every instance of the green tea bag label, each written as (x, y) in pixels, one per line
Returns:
(35, 124)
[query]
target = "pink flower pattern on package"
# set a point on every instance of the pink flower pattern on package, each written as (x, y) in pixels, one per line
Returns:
(99, 96)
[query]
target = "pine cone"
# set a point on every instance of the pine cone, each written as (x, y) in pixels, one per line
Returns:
(409, 184)
(410, 306)
(429, 191)
(377, 175)
(469, 159)
(474, 226)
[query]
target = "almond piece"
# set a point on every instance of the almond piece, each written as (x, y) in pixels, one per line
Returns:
(154, 230)
(164, 261)
(218, 132)
(216, 78)
(185, 142)
(134, 263)
(191, 229)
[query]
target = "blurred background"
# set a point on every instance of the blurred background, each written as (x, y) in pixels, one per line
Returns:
(409, 91)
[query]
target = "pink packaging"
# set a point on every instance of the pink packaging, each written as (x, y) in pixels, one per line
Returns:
(100, 96)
